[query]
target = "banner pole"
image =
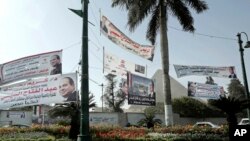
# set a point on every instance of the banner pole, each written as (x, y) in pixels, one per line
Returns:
(103, 59)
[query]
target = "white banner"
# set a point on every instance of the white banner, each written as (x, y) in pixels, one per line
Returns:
(46, 90)
(118, 66)
(31, 66)
(205, 90)
(119, 38)
(226, 72)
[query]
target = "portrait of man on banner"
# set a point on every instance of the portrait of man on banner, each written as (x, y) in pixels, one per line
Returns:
(191, 88)
(151, 90)
(104, 25)
(67, 89)
(124, 87)
(56, 65)
(232, 72)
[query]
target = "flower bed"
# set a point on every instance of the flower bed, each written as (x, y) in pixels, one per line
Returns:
(112, 133)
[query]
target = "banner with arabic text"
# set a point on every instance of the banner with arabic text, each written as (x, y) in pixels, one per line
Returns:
(31, 66)
(208, 91)
(46, 90)
(118, 66)
(225, 72)
(116, 36)
(140, 90)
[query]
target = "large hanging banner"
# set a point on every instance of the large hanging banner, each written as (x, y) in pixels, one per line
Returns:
(119, 38)
(118, 66)
(46, 90)
(140, 90)
(226, 72)
(208, 91)
(31, 66)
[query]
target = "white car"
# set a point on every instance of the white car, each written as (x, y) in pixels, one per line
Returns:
(205, 124)
(244, 121)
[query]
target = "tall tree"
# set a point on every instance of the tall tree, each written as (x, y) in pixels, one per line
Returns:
(236, 89)
(114, 99)
(159, 10)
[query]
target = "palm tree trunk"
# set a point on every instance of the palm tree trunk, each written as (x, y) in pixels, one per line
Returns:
(232, 122)
(165, 65)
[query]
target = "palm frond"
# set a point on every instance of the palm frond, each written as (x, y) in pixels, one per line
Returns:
(229, 105)
(181, 11)
(153, 25)
(60, 110)
(198, 5)
(122, 3)
(138, 11)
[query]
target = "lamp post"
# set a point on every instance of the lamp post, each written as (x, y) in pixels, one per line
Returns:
(243, 65)
(84, 127)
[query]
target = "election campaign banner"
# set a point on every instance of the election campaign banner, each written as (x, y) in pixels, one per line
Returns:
(116, 36)
(118, 66)
(207, 91)
(45, 90)
(31, 66)
(225, 72)
(140, 90)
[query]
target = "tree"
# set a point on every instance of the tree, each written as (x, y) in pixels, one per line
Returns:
(71, 110)
(149, 119)
(236, 89)
(113, 98)
(138, 10)
(231, 106)
(158, 108)
(189, 107)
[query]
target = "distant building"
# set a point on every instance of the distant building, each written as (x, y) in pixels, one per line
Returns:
(177, 91)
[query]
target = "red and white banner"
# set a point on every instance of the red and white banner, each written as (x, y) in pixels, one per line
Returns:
(31, 66)
(225, 72)
(118, 66)
(46, 90)
(119, 38)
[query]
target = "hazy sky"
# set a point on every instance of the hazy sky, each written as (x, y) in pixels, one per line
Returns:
(29, 27)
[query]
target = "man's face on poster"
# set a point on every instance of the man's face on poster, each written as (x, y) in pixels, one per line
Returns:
(54, 60)
(65, 88)
(231, 70)
(192, 87)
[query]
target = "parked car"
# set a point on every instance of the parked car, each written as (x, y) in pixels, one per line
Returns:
(244, 121)
(17, 126)
(206, 124)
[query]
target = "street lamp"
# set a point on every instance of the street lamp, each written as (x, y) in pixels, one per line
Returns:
(243, 65)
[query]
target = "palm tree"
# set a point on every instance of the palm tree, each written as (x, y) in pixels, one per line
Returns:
(138, 10)
(149, 119)
(231, 106)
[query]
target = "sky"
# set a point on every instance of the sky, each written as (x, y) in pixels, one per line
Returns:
(29, 27)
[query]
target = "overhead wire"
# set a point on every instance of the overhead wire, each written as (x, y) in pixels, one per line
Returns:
(93, 15)
(72, 45)
(202, 34)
